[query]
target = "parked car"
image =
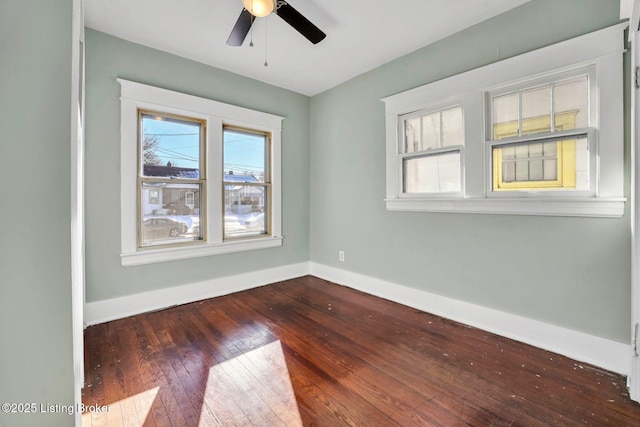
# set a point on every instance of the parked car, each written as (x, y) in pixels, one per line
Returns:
(160, 228)
(191, 221)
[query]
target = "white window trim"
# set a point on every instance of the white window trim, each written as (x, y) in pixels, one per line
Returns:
(602, 49)
(135, 96)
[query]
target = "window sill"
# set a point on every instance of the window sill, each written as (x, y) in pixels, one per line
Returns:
(150, 256)
(585, 207)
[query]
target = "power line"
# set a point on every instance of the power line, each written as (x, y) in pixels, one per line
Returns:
(171, 134)
(163, 151)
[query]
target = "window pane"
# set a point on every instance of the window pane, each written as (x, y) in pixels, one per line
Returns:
(529, 162)
(431, 131)
(550, 149)
(550, 172)
(452, 127)
(245, 210)
(522, 171)
(582, 163)
(536, 170)
(170, 213)
(245, 156)
(550, 165)
(522, 151)
(535, 150)
(432, 174)
(412, 135)
(536, 110)
(508, 152)
(505, 116)
(571, 103)
(170, 147)
(508, 171)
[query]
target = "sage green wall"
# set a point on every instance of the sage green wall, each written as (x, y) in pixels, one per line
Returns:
(571, 272)
(108, 57)
(35, 248)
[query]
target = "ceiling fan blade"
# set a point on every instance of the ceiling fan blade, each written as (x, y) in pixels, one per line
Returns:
(299, 22)
(241, 29)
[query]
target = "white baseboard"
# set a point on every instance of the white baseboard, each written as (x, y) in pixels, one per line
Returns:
(118, 308)
(601, 352)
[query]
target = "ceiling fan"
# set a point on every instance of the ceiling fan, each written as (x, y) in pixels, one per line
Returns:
(260, 8)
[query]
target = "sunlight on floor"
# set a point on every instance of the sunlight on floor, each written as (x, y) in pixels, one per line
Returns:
(254, 387)
(131, 411)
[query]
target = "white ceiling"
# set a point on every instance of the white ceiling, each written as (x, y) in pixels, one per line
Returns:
(361, 34)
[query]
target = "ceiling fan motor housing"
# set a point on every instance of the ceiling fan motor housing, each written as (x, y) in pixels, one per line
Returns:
(259, 8)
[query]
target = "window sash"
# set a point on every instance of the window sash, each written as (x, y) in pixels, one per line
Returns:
(565, 185)
(419, 117)
(143, 243)
(440, 178)
(266, 183)
(528, 84)
(230, 235)
(564, 160)
(172, 117)
(143, 240)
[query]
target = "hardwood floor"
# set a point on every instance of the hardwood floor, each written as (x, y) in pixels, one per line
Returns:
(309, 352)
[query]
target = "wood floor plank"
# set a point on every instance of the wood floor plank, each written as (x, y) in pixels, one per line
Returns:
(412, 377)
(353, 380)
(194, 386)
(352, 366)
(119, 396)
(172, 409)
(140, 397)
(265, 380)
(177, 401)
(111, 381)
(143, 352)
(309, 352)
(95, 375)
(456, 339)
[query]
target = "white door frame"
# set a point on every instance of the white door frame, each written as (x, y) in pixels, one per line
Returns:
(633, 381)
(77, 202)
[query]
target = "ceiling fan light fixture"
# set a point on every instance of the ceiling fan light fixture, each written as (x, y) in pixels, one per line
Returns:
(259, 8)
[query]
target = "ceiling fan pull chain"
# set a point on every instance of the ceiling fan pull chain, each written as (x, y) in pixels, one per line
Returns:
(266, 20)
(253, 18)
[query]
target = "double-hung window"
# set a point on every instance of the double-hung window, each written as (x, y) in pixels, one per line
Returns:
(247, 183)
(431, 151)
(541, 133)
(172, 179)
(198, 177)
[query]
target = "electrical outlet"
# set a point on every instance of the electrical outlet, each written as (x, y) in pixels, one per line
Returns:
(341, 256)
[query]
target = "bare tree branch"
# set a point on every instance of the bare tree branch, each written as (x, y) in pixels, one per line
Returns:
(149, 156)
